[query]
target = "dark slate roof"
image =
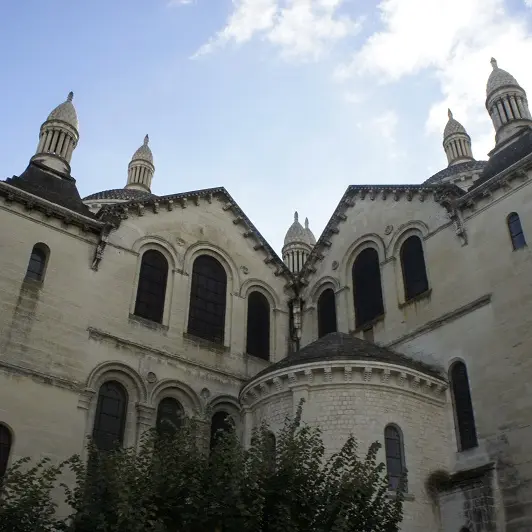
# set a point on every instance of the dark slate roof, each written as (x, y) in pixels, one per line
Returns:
(468, 166)
(342, 346)
(59, 189)
(508, 156)
(122, 194)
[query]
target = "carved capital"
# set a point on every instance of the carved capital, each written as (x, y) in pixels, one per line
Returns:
(85, 398)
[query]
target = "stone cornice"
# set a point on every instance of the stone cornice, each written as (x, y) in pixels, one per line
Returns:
(11, 193)
(137, 207)
(327, 373)
(369, 193)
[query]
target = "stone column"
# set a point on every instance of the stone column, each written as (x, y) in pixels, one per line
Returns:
(145, 418)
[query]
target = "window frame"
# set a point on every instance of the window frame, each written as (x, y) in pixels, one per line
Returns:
(122, 418)
(180, 410)
(227, 424)
(155, 313)
(463, 441)
(367, 322)
(410, 295)
(38, 277)
(208, 329)
(516, 236)
(321, 325)
(4, 464)
(267, 336)
(393, 486)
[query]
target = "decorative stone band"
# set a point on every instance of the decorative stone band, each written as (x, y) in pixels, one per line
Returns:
(340, 373)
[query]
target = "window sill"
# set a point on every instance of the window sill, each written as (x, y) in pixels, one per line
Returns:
(368, 325)
(133, 318)
(209, 344)
(408, 497)
(32, 284)
(255, 357)
(424, 295)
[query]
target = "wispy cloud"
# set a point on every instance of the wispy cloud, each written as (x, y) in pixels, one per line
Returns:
(301, 29)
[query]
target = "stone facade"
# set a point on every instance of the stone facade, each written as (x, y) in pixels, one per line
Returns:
(66, 334)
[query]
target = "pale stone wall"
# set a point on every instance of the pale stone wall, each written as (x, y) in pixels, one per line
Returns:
(347, 397)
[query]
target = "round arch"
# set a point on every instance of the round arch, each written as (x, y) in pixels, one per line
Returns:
(415, 227)
(124, 374)
(322, 284)
(370, 240)
(158, 243)
(178, 390)
(250, 285)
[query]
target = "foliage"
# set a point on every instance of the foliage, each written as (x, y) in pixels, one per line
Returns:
(172, 484)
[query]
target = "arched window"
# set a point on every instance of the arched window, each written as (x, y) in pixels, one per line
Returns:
(170, 415)
(258, 328)
(37, 263)
(413, 266)
(367, 287)
(206, 318)
(395, 457)
(110, 419)
(151, 291)
(326, 312)
(466, 431)
(221, 422)
(5, 448)
(516, 231)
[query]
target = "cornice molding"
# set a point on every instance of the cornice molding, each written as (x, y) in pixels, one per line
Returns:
(333, 373)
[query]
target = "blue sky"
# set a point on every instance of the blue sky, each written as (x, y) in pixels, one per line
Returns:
(283, 102)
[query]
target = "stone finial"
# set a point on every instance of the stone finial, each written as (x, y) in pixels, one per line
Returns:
(146, 140)
(70, 96)
(449, 114)
(296, 217)
(306, 223)
(494, 63)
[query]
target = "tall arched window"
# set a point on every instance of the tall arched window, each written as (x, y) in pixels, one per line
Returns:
(220, 423)
(258, 326)
(466, 431)
(367, 287)
(413, 266)
(206, 317)
(395, 456)
(170, 415)
(516, 231)
(110, 419)
(151, 291)
(37, 263)
(5, 448)
(326, 312)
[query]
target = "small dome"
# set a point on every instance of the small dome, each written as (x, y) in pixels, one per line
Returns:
(499, 78)
(119, 194)
(453, 126)
(66, 112)
(298, 233)
(144, 152)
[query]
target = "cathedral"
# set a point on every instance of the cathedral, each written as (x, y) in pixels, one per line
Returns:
(408, 321)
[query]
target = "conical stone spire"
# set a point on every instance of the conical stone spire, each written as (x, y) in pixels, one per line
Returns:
(298, 244)
(58, 137)
(456, 142)
(141, 168)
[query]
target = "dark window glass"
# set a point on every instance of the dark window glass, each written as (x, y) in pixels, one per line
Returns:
(151, 291)
(220, 423)
(367, 287)
(394, 456)
(110, 419)
(258, 328)
(516, 231)
(37, 263)
(170, 415)
(206, 317)
(5, 448)
(326, 312)
(463, 406)
(413, 265)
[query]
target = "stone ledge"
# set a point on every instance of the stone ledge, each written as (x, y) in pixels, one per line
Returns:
(419, 297)
(339, 373)
(153, 325)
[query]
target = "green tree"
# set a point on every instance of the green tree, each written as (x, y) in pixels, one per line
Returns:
(172, 484)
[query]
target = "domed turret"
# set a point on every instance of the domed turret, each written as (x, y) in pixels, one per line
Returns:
(506, 103)
(141, 168)
(58, 137)
(298, 244)
(456, 142)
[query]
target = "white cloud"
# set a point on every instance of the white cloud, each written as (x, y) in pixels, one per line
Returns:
(385, 128)
(455, 40)
(302, 29)
(172, 3)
